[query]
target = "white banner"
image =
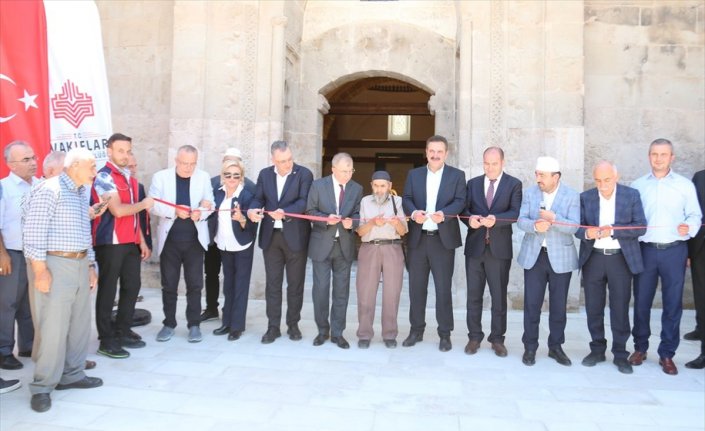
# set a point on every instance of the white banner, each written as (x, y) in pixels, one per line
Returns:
(79, 110)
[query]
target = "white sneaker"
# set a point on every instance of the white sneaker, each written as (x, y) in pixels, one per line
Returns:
(165, 334)
(194, 334)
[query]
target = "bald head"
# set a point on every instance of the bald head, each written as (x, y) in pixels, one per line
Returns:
(606, 177)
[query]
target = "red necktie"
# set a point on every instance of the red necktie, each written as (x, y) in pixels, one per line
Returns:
(489, 198)
(341, 198)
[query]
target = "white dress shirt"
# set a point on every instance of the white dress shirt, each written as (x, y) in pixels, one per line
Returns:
(225, 238)
(433, 184)
(336, 193)
(607, 211)
(281, 180)
(14, 189)
(548, 201)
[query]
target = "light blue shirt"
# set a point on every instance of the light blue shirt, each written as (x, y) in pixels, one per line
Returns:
(668, 202)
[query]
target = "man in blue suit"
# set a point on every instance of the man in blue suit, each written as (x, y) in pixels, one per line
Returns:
(493, 200)
(434, 195)
(609, 257)
(549, 216)
(282, 188)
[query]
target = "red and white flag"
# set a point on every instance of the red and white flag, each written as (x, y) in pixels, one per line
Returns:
(53, 85)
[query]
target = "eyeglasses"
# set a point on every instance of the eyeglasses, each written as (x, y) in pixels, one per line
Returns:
(350, 172)
(25, 160)
(229, 175)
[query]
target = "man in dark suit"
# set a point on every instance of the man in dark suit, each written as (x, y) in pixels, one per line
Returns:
(212, 260)
(696, 251)
(493, 202)
(336, 198)
(434, 195)
(282, 188)
(609, 258)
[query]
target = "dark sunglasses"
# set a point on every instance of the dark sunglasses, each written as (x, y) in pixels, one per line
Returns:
(228, 175)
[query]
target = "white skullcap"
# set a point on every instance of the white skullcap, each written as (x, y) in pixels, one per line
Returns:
(547, 164)
(233, 152)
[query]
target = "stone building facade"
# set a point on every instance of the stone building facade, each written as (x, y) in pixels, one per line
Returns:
(578, 80)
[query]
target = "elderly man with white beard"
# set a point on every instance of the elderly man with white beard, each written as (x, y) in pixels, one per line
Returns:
(380, 253)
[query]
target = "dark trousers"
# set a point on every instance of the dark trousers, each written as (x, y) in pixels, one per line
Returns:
(116, 262)
(237, 268)
(697, 271)
(535, 280)
(669, 265)
(430, 256)
(173, 256)
(600, 273)
(277, 257)
(212, 269)
(14, 306)
(495, 272)
(340, 268)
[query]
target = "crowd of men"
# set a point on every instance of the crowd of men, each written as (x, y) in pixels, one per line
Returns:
(78, 229)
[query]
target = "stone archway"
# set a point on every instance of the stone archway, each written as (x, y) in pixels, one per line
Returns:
(365, 50)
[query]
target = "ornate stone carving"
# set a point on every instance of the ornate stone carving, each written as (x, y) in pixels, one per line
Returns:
(497, 70)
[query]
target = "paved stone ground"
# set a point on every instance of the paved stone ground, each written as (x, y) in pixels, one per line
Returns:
(216, 384)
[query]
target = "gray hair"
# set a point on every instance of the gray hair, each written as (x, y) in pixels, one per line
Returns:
(187, 149)
(10, 146)
(55, 158)
(340, 157)
(278, 146)
(78, 155)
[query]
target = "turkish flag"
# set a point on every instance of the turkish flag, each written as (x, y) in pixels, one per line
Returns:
(24, 78)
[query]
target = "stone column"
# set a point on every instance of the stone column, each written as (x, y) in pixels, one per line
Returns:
(465, 153)
(276, 98)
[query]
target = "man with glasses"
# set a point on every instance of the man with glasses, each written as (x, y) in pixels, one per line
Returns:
(336, 198)
(14, 300)
(182, 237)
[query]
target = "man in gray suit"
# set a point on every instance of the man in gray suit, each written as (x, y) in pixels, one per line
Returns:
(332, 246)
(549, 216)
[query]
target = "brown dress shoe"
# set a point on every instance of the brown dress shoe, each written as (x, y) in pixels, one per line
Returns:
(90, 364)
(668, 366)
(471, 347)
(637, 358)
(499, 349)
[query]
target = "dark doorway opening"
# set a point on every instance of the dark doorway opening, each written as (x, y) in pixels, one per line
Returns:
(383, 123)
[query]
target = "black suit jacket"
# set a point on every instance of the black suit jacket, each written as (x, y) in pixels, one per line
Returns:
(244, 234)
(322, 203)
(697, 242)
(451, 200)
(505, 206)
(628, 212)
(296, 231)
(144, 219)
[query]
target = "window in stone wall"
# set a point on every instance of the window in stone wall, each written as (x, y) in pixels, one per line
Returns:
(398, 127)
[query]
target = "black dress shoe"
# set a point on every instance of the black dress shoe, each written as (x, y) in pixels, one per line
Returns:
(84, 383)
(413, 338)
(9, 362)
(390, 344)
(271, 335)
(593, 358)
(131, 343)
(320, 339)
(209, 315)
(294, 332)
(340, 342)
(529, 357)
(41, 402)
(697, 363)
(234, 335)
(222, 330)
(623, 365)
(692, 336)
(559, 355)
(445, 344)
(25, 354)
(363, 344)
